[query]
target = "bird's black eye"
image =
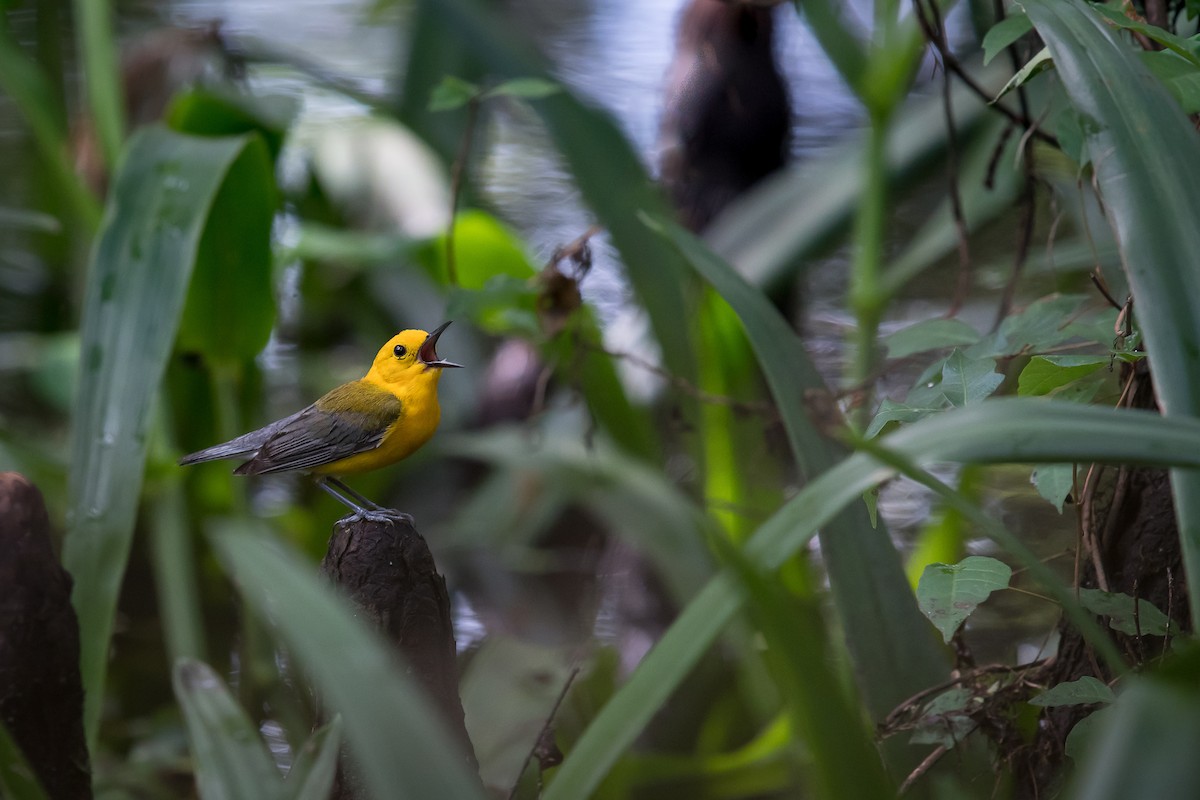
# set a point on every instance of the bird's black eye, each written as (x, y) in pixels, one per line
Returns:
(401, 351)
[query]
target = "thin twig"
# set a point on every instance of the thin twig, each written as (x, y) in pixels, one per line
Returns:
(562, 695)
(922, 768)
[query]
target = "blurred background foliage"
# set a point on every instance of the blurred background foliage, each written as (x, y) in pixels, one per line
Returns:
(731, 420)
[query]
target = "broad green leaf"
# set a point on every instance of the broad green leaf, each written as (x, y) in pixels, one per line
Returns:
(1005, 430)
(1044, 374)
(949, 593)
(399, 742)
(1123, 615)
(231, 760)
(483, 249)
(17, 778)
(1149, 181)
(1142, 748)
(230, 307)
(524, 88)
(1054, 482)
(1040, 62)
(452, 93)
(1039, 326)
(945, 721)
(967, 381)
(1073, 693)
(1004, 33)
(931, 334)
(162, 200)
(315, 765)
(215, 111)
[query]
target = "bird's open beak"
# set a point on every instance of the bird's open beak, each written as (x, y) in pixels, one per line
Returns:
(428, 352)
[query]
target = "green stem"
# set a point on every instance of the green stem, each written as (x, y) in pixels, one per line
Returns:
(175, 575)
(868, 297)
(98, 52)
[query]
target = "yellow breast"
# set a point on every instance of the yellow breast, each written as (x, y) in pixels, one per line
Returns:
(416, 425)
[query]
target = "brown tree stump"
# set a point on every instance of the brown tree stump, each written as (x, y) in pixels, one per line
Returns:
(387, 570)
(41, 692)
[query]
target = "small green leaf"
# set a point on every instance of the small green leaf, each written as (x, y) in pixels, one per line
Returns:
(1140, 619)
(945, 721)
(1179, 75)
(949, 593)
(1074, 693)
(966, 381)
(1176, 44)
(452, 93)
(1039, 63)
(1044, 374)
(929, 335)
(891, 411)
(1038, 327)
(524, 88)
(1054, 482)
(1004, 33)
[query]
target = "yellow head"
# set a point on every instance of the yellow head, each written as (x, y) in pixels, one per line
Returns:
(409, 357)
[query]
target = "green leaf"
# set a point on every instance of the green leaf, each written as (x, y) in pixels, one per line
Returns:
(315, 766)
(231, 761)
(1123, 615)
(1179, 75)
(967, 381)
(1039, 326)
(1044, 374)
(1054, 482)
(865, 571)
(931, 334)
(230, 307)
(214, 111)
(1073, 693)
(945, 721)
(1040, 62)
(524, 88)
(949, 593)
(483, 249)
(399, 742)
(17, 779)
(1149, 181)
(1004, 33)
(1176, 44)
(452, 93)
(1081, 735)
(890, 411)
(162, 200)
(1141, 747)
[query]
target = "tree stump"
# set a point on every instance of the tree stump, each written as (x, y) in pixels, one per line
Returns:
(41, 692)
(387, 570)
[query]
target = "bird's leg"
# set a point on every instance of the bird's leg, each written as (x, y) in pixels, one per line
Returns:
(361, 507)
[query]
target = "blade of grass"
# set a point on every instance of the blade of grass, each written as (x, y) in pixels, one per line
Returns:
(232, 762)
(140, 267)
(893, 654)
(1147, 161)
(312, 773)
(995, 431)
(399, 742)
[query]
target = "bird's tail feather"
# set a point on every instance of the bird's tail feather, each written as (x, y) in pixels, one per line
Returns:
(241, 446)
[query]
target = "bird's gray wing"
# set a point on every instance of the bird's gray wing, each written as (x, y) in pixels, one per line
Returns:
(351, 419)
(243, 445)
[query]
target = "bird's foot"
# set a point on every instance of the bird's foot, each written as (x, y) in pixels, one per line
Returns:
(378, 514)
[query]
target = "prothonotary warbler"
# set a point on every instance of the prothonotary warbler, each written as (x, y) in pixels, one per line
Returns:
(358, 427)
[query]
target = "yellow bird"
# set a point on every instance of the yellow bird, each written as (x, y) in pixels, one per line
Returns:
(358, 427)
